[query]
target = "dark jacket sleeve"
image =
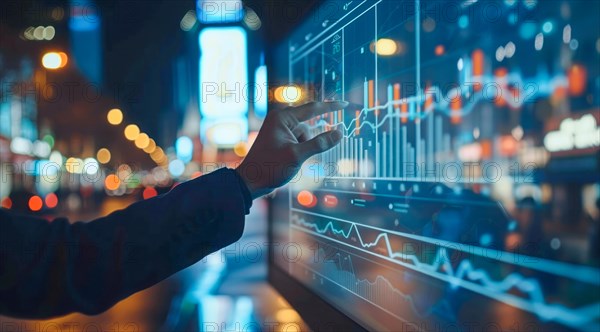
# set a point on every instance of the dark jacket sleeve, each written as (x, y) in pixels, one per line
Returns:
(54, 268)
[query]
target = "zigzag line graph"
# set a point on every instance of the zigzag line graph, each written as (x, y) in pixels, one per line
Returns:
(544, 85)
(381, 290)
(469, 277)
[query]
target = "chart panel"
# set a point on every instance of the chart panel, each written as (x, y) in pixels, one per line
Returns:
(461, 194)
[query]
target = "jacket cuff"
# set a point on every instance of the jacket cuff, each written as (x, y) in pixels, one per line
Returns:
(245, 191)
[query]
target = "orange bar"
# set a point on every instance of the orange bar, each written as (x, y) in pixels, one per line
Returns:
(397, 91)
(500, 75)
(477, 59)
(477, 62)
(371, 94)
(357, 124)
(486, 149)
(404, 111)
(455, 106)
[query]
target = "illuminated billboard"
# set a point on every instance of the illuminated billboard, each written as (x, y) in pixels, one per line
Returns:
(223, 72)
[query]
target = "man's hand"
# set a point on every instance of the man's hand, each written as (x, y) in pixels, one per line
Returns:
(283, 144)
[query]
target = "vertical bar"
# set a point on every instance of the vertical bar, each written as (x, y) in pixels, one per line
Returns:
(366, 94)
(377, 164)
(430, 134)
(397, 94)
(366, 166)
(384, 155)
(351, 156)
(422, 148)
(417, 141)
(356, 154)
(398, 147)
(389, 99)
(405, 147)
(361, 162)
(391, 148)
(438, 135)
(371, 93)
(455, 109)
(411, 156)
(357, 123)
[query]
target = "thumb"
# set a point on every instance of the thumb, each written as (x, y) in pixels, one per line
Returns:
(319, 143)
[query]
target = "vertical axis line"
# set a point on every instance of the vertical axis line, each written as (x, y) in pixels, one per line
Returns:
(323, 72)
(377, 157)
(418, 83)
(344, 131)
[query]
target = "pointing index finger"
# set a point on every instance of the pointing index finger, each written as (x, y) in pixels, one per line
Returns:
(312, 109)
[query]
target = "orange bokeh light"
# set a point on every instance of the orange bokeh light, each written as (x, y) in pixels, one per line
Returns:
(51, 200)
(440, 50)
(35, 203)
(112, 182)
(306, 198)
(577, 80)
(6, 203)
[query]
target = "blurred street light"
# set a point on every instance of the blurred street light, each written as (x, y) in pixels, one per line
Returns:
(54, 60)
(103, 155)
(142, 141)
(114, 116)
(151, 146)
(131, 132)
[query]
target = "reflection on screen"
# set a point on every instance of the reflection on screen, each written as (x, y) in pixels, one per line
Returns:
(465, 192)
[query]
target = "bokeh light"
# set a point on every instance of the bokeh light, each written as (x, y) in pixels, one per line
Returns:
(114, 116)
(142, 141)
(306, 198)
(6, 203)
(241, 149)
(386, 47)
(151, 146)
(176, 167)
(51, 200)
(112, 182)
(54, 60)
(74, 165)
(149, 192)
(35, 203)
(103, 156)
(131, 132)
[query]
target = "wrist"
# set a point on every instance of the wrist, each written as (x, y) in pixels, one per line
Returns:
(255, 182)
(240, 170)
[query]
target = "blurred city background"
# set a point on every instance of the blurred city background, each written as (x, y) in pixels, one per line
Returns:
(100, 107)
(104, 103)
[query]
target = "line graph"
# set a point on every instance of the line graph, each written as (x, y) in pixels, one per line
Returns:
(380, 291)
(443, 104)
(465, 275)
